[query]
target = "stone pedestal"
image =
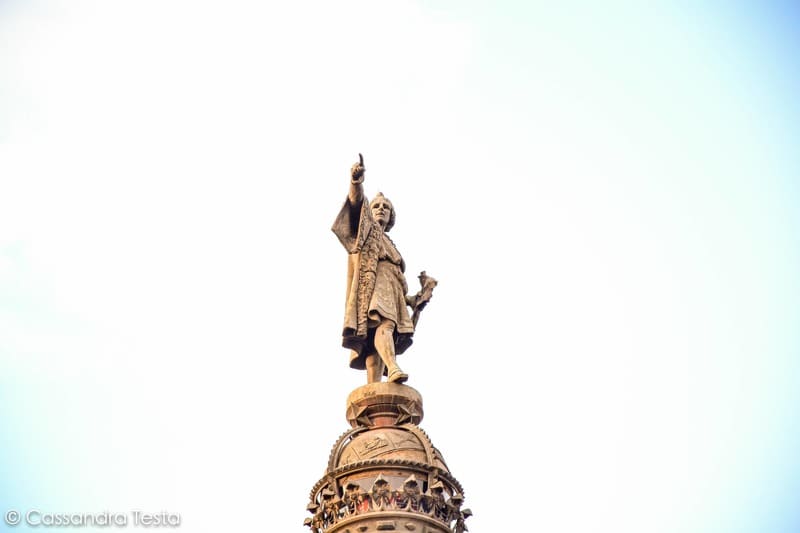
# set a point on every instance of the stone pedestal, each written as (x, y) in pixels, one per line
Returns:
(384, 404)
(384, 474)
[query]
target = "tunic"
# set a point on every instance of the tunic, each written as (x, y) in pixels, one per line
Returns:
(376, 286)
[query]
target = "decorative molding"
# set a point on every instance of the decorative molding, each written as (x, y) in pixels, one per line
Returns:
(354, 501)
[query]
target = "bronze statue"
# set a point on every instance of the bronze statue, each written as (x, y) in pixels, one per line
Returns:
(377, 324)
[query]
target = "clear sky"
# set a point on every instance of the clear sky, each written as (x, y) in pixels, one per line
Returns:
(607, 193)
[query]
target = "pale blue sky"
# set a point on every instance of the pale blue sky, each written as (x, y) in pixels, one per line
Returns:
(606, 192)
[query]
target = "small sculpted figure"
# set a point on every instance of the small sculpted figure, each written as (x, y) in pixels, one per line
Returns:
(377, 323)
(410, 497)
(454, 512)
(436, 505)
(461, 525)
(316, 522)
(330, 506)
(381, 494)
(354, 499)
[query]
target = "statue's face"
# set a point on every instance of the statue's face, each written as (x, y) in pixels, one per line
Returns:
(381, 211)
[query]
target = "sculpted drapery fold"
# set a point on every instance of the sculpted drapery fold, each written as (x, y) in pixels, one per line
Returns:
(376, 286)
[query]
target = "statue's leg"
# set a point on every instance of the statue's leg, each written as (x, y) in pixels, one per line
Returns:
(374, 368)
(384, 344)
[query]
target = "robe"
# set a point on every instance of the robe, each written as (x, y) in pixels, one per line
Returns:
(376, 285)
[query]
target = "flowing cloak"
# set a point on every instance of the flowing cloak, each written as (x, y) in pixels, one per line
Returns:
(376, 286)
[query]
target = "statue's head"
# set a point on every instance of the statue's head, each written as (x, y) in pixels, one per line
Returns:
(382, 211)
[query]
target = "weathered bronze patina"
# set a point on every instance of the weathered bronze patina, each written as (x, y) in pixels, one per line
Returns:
(377, 323)
(383, 474)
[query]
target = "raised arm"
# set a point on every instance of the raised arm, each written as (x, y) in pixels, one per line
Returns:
(356, 194)
(347, 225)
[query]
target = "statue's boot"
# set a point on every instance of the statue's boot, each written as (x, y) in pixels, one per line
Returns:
(396, 375)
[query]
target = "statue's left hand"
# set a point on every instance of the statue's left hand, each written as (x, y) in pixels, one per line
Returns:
(421, 299)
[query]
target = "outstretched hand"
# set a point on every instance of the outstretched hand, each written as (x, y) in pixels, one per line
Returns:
(357, 170)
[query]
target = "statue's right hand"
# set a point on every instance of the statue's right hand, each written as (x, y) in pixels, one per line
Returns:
(357, 170)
